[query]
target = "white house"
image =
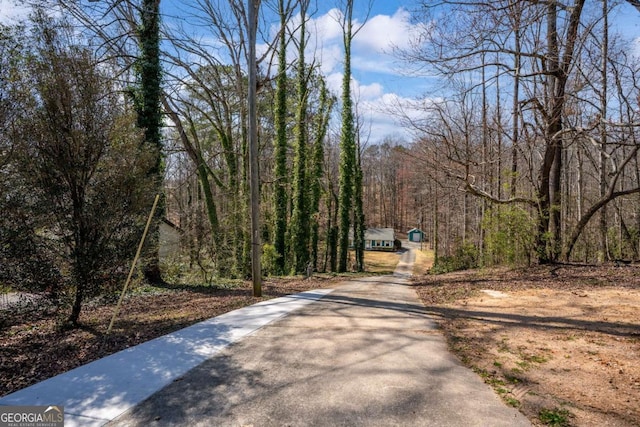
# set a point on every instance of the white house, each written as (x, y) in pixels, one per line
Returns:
(379, 239)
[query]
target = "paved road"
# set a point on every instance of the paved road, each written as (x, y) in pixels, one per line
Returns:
(366, 354)
(96, 393)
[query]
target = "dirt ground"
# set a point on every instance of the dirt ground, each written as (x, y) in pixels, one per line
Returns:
(560, 343)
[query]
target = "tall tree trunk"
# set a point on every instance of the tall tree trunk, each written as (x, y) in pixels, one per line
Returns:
(485, 155)
(280, 149)
(74, 317)
(347, 145)
(254, 188)
(300, 215)
(150, 120)
(358, 216)
(498, 126)
(637, 209)
(322, 124)
(602, 165)
(436, 225)
(515, 131)
(553, 134)
(549, 236)
(332, 229)
(203, 173)
(210, 204)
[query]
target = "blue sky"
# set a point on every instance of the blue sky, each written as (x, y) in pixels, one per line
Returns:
(379, 80)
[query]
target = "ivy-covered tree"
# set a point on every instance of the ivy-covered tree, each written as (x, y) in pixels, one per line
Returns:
(347, 144)
(323, 115)
(300, 232)
(148, 107)
(280, 198)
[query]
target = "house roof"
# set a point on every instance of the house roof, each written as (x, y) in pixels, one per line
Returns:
(379, 234)
(413, 230)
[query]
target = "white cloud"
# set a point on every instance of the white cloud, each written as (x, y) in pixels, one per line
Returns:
(367, 92)
(384, 116)
(635, 44)
(377, 64)
(359, 91)
(373, 107)
(11, 11)
(334, 83)
(372, 47)
(327, 27)
(382, 33)
(330, 58)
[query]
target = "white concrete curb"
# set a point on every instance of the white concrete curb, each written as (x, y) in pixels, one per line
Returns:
(98, 392)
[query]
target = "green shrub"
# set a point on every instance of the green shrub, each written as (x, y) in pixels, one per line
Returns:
(269, 259)
(466, 257)
(621, 245)
(509, 236)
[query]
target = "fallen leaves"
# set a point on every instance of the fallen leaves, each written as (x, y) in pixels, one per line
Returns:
(34, 348)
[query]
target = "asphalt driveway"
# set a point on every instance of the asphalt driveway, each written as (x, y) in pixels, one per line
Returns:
(366, 354)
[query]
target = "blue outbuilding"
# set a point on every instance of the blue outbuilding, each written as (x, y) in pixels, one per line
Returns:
(415, 235)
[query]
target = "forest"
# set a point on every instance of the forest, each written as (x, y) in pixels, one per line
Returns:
(526, 153)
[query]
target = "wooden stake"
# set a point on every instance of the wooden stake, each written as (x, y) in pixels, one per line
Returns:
(133, 265)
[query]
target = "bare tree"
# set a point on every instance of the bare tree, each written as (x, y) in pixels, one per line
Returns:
(541, 46)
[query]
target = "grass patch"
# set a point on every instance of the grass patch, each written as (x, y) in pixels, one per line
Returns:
(423, 262)
(536, 358)
(524, 365)
(502, 391)
(555, 417)
(513, 379)
(512, 401)
(380, 262)
(529, 359)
